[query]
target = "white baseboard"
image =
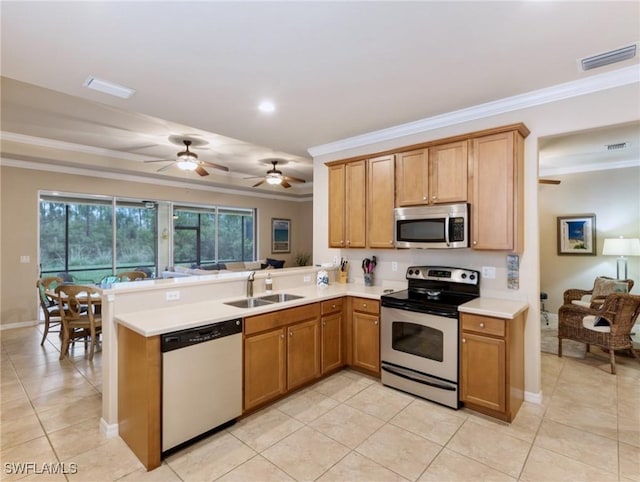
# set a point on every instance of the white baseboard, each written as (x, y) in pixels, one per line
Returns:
(533, 397)
(21, 324)
(108, 430)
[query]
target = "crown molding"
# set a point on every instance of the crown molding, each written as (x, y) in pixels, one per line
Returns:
(567, 90)
(44, 166)
(72, 147)
(598, 166)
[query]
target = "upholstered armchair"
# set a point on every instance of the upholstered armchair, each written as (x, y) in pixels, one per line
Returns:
(607, 325)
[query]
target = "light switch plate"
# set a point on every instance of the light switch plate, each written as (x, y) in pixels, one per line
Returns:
(489, 272)
(173, 295)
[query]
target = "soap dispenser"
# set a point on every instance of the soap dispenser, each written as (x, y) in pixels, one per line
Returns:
(268, 284)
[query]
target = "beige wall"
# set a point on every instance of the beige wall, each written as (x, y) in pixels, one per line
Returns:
(19, 224)
(607, 107)
(614, 197)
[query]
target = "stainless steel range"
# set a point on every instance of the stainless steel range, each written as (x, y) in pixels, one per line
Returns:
(420, 331)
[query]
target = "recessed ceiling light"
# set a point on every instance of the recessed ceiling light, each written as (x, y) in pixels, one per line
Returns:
(107, 87)
(266, 106)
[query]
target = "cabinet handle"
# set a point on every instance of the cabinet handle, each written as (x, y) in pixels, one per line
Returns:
(464, 340)
(324, 323)
(291, 333)
(375, 322)
(424, 198)
(481, 325)
(364, 305)
(475, 242)
(281, 336)
(391, 242)
(434, 197)
(333, 306)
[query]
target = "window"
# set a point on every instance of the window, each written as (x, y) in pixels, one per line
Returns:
(77, 237)
(205, 235)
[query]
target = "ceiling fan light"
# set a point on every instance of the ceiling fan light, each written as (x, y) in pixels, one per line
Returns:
(274, 178)
(186, 163)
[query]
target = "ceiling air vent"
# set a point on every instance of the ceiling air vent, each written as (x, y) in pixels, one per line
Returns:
(611, 57)
(615, 147)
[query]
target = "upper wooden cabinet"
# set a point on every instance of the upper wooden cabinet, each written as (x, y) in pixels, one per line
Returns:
(448, 172)
(497, 204)
(431, 176)
(347, 205)
(380, 202)
(412, 178)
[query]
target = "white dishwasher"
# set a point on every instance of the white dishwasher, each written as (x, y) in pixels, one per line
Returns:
(201, 380)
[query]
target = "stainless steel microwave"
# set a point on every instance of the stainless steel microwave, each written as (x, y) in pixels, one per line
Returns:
(440, 226)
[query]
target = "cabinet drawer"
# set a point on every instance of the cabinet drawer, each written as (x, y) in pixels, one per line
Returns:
(366, 305)
(331, 306)
(276, 319)
(483, 324)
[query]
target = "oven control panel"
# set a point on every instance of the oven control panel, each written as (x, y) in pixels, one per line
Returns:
(440, 273)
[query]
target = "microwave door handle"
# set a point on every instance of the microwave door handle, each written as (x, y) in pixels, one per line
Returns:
(446, 230)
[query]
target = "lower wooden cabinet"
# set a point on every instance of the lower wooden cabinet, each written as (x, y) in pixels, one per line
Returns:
(331, 335)
(281, 352)
(365, 321)
(492, 364)
(264, 367)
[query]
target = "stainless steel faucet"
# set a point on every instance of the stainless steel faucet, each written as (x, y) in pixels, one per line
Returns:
(250, 284)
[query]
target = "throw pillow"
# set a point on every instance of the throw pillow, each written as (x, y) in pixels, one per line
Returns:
(602, 287)
(276, 263)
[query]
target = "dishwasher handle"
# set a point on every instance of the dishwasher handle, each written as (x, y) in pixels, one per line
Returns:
(192, 336)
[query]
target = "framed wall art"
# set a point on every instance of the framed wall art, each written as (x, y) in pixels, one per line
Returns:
(280, 235)
(577, 235)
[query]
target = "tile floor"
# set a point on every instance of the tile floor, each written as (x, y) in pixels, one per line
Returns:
(345, 428)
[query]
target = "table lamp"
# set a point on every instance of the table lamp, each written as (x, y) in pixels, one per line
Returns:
(621, 247)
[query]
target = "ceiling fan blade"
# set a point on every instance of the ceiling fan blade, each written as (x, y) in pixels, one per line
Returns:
(161, 160)
(258, 183)
(165, 167)
(293, 179)
(215, 166)
(202, 171)
(548, 181)
(285, 184)
(253, 177)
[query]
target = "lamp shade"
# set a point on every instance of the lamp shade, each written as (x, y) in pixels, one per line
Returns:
(621, 247)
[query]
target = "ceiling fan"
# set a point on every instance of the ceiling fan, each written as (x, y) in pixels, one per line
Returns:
(188, 161)
(275, 177)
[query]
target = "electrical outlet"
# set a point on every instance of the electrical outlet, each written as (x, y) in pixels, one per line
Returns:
(25, 259)
(488, 272)
(307, 279)
(173, 295)
(394, 266)
(336, 261)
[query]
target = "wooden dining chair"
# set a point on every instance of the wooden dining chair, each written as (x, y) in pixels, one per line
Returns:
(49, 305)
(79, 307)
(131, 275)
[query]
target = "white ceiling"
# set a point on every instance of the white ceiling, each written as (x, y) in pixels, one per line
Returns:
(334, 70)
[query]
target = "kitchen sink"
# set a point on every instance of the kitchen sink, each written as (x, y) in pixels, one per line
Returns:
(248, 303)
(280, 297)
(262, 300)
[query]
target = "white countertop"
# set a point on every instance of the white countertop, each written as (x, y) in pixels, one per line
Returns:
(180, 317)
(496, 307)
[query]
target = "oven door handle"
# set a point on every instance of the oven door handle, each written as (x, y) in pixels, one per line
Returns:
(415, 377)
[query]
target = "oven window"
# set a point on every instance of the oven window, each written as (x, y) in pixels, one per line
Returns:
(422, 341)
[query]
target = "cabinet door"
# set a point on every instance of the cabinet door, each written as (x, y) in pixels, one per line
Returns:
(448, 172)
(264, 367)
(303, 353)
(412, 173)
(331, 342)
(483, 371)
(366, 341)
(380, 202)
(495, 193)
(355, 204)
(337, 206)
